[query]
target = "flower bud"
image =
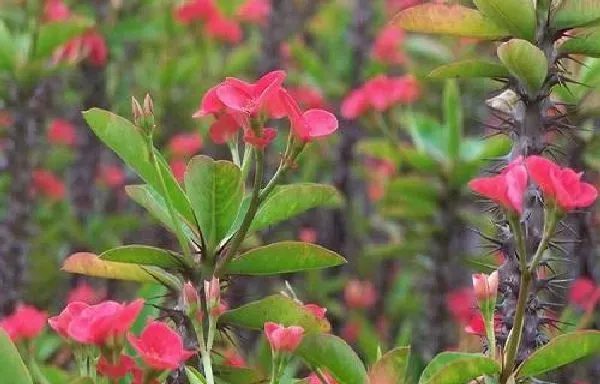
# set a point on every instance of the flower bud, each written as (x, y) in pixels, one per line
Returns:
(283, 338)
(190, 296)
(136, 111)
(143, 117)
(485, 286)
(212, 290)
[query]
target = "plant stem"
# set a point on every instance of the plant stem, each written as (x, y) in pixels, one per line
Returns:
(235, 151)
(550, 221)
(205, 353)
(252, 209)
(247, 160)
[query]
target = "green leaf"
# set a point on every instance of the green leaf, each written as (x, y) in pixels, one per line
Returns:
(516, 16)
(391, 367)
(284, 257)
(8, 51)
(470, 68)
(215, 189)
(287, 201)
(458, 367)
(276, 308)
(11, 364)
(144, 255)
(378, 148)
(154, 203)
(453, 115)
(575, 13)
(54, 34)
(194, 376)
(232, 375)
(85, 263)
(329, 352)
(585, 42)
(127, 141)
(526, 62)
(454, 20)
(561, 350)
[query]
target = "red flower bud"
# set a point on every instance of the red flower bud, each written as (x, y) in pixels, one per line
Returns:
(484, 286)
(282, 338)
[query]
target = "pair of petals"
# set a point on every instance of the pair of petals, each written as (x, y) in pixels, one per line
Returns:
(507, 189)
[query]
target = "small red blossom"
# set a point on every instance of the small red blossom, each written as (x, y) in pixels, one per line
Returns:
(219, 309)
(360, 294)
(308, 97)
(111, 176)
(222, 29)
(25, 323)
(461, 304)
(313, 378)
(195, 10)
(223, 129)
(485, 286)
(318, 311)
(584, 293)
(84, 293)
(56, 10)
(308, 235)
(387, 45)
(61, 132)
(160, 347)
(48, 185)
(233, 359)
(254, 11)
(90, 46)
(104, 323)
(60, 323)
(282, 338)
(311, 124)
(178, 169)
(350, 331)
(185, 144)
(561, 186)
(268, 135)
(475, 324)
(117, 370)
(507, 189)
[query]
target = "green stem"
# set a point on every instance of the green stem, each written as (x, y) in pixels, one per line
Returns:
(550, 221)
(252, 209)
(247, 161)
(183, 243)
(283, 168)
(235, 151)
(205, 354)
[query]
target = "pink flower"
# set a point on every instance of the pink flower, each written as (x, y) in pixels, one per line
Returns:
(185, 144)
(475, 324)
(485, 286)
(561, 186)
(178, 168)
(308, 235)
(112, 176)
(26, 323)
(282, 338)
(268, 135)
(254, 11)
(308, 97)
(584, 293)
(360, 294)
(507, 189)
(104, 323)
(84, 293)
(56, 10)
(62, 132)
(117, 370)
(223, 129)
(48, 185)
(350, 331)
(311, 124)
(195, 10)
(60, 324)
(461, 304)
(223, 29)
(387, 45)
(160, 347)
(318, 311)
(313, 378)
(91, 46)
(233, 359)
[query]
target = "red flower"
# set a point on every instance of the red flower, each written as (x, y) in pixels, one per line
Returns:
(561, 186)
(233, 359)
(223, 129)
(350, 331)
(475, 324)
(62, 132)
(584, 293)
(104, 323)
(60, 324)
(308, 97)
(308, 235)
(282, 338)
(484, 286)
(160, 347)
(268, 135)
(185, 144)
(194, 10)
(117, 370)
(84, 293)
(95, 48)
(461, 304)
(387, 45)
(112, 176)
(178, 168)
(254, 11)
(311, 124)
(379, 94)
(25, 323)
(507, 189)
(48, 185)
(318, 311)
(247, 98)
(223, 29)
(313, 378)
(360, 294)
(56, 10)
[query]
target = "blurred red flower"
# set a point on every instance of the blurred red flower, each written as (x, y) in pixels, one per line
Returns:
(283, 338)
(316, 310)
(254, 11)
(233, 358)
(111, 175)
(178, 168)
(584, 293)
(386, 47)
(308, 97)
(308, 235)
(48, 185)
(461, 304)
(117, 370)
(222, 29)
(62, 132)
(185, 144)
(25, 323)
(360, 294)
(84, 293)
(55, 10)
(195, 10)
(160, 347)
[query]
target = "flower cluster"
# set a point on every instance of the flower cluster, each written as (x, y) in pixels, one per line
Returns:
(237, 105)
(25, 323)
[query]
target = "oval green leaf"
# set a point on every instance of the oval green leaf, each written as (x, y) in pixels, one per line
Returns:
(457, 367)
(586, 42)
(144, 255)
(454, 20)
(333, 354)
(526, 62)
(575, 13)
(128, 143)
(287, 201)
(561, 350)
(469, 69)
(516, 16)
(276, 308)
(11, 364)
(215, 189)
(284, 257)
(391, 367)
(85, 263)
